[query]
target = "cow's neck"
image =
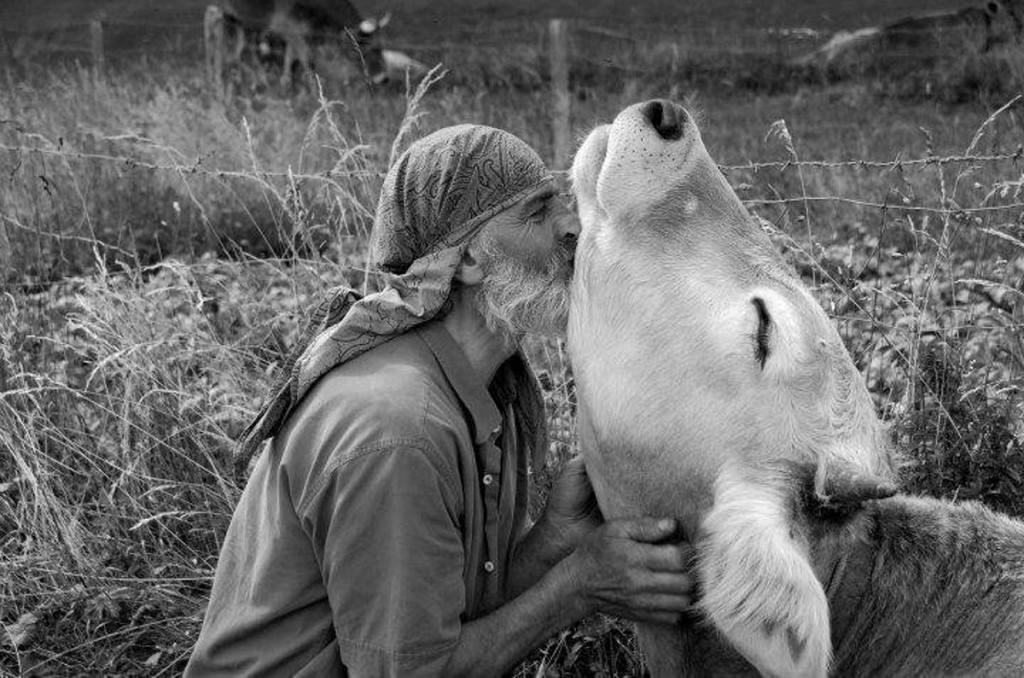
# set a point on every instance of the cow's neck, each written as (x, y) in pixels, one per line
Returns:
(915, 587)
(910, 566)
(845, 568)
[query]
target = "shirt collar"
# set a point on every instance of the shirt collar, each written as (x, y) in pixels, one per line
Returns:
(468, 386)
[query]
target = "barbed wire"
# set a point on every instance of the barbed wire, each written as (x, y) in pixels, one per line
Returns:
(953, 209)
(899, 164)
(196, 168)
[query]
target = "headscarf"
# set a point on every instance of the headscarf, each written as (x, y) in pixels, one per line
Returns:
(435, 198)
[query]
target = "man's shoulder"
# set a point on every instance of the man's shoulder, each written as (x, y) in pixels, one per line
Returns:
(390, 376)
(393, 392)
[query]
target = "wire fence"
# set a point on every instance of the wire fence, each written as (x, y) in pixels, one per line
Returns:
(36, 164)
(197, 168)
(629, 46)
(33, 166)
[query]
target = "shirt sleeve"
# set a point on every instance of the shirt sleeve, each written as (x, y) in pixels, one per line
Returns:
(386, 531)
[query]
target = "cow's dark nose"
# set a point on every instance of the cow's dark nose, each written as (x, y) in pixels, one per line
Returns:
(666, 117)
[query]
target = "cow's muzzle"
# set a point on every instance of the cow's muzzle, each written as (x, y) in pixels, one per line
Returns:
(666, 118)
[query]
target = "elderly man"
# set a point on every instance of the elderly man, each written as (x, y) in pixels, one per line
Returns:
(384, 529)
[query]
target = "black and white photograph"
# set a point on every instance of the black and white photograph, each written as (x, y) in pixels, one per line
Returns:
(540, 339)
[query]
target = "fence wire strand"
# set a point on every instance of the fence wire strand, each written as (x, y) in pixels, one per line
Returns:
(196, 169)
(897, 165)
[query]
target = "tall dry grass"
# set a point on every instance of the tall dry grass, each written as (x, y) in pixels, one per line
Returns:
(167, 244)
(124, 389)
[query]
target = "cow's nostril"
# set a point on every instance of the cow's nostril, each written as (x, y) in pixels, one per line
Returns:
(666, 118)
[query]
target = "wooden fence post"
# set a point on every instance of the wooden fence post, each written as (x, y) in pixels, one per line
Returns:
(560, 102)
(213, 42)
(96, 43)
(6, 260)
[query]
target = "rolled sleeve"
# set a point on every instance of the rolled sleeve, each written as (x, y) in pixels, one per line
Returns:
(385, 527)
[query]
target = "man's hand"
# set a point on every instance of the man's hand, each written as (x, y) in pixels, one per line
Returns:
(572, 512)
(622, 570)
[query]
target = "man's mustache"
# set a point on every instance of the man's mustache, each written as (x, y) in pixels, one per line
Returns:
(567, 248)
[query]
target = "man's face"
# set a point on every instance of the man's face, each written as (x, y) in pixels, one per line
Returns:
(527, 256)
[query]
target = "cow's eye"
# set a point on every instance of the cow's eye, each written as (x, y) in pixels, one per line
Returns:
(764, 329)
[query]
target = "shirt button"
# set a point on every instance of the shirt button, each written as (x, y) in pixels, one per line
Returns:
(488, 479)
(489, 567)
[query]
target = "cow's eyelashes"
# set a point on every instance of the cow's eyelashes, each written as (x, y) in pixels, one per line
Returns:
(764, 329)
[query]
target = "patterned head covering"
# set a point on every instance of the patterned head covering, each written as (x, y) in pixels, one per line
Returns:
(435, 198)
(446, 186)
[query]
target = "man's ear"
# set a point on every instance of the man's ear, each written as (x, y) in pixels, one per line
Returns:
(470, 271)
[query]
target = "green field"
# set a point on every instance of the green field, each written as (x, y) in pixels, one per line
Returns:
(160, 245)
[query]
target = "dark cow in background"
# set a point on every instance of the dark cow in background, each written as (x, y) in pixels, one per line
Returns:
(921, 40)
(286, 33)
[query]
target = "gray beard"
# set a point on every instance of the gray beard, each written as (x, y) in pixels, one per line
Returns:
(516, 300)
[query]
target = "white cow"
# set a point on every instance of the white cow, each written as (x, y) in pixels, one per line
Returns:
(712, 387)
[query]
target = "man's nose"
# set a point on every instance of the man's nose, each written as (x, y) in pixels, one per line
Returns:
(567, 223)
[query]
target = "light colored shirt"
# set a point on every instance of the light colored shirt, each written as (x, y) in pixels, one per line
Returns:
(380, 519)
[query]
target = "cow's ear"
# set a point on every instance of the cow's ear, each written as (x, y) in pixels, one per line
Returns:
(841, 487)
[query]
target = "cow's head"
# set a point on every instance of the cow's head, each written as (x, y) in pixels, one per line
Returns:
(711, 384)
(670, 262)
(367, 36)
(1005, 20)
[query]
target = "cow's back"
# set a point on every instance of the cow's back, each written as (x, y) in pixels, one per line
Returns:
(250, 13)
(333, 15)
(320, 15)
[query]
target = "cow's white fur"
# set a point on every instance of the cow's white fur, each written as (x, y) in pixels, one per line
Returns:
(755, 567)
(678, 417)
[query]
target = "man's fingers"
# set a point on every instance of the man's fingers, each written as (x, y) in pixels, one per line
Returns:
(671, 584)
(668, 557)
(647, 530)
